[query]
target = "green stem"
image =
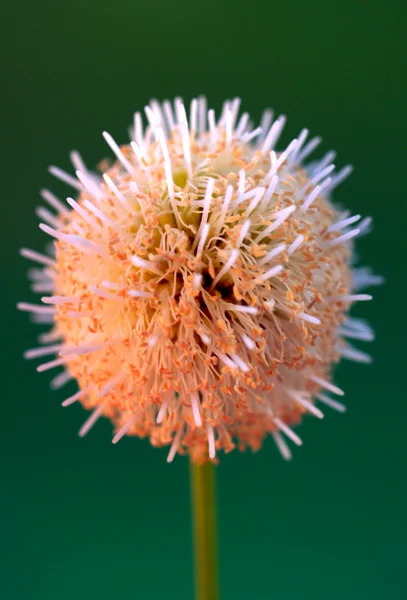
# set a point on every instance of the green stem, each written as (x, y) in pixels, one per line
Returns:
(205, 531)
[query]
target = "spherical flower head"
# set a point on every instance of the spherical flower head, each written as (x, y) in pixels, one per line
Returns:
(199, 289)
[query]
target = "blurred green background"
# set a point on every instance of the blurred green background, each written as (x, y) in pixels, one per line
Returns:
(82, 519)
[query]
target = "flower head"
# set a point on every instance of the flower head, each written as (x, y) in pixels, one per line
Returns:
(199, 289)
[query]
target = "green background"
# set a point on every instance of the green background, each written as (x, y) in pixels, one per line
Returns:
(81, 519)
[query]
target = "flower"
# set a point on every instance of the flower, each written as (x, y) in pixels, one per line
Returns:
(199, 290)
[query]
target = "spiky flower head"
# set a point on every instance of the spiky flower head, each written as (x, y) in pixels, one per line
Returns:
(199, 289)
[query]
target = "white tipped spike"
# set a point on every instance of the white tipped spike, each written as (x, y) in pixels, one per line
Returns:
(341, 176)
(65, 177)
(265, 123)
(202, 114)
(174, 446)
(343, 223)
(47, 216)
(307, 405)
(162, 411)
(288, 431)
(301, 140)
(60, 380)
(35, 308)
(309, 318)
(248, 342)
(353, 298)
(240, 363)
(51, 364)
(273, 134)
(211, 442)
(269, 274)
(308, 149)
(351, 353)
(42, 351)
(75, 397)
(77, 161)
(248, 137)
(331, 403)
(314, 194)
(321, 174)
(119, 154)
(205, 211)
(234, 254)
(54, 202)
(37, 257)
(91, 420)
(243, 233)
(195, 409)
(274, 252)
(282, 446)
(343, 238)
(296, 244)
(123, 430)
(327, 385)
(81, 350)
(203, 238)
(145, 264)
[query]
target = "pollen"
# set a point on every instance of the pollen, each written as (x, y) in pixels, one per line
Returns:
(199, 290)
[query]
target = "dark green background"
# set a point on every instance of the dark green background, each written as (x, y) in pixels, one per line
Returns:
(81, 519)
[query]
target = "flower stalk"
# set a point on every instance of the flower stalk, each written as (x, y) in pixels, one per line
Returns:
(203, 495)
